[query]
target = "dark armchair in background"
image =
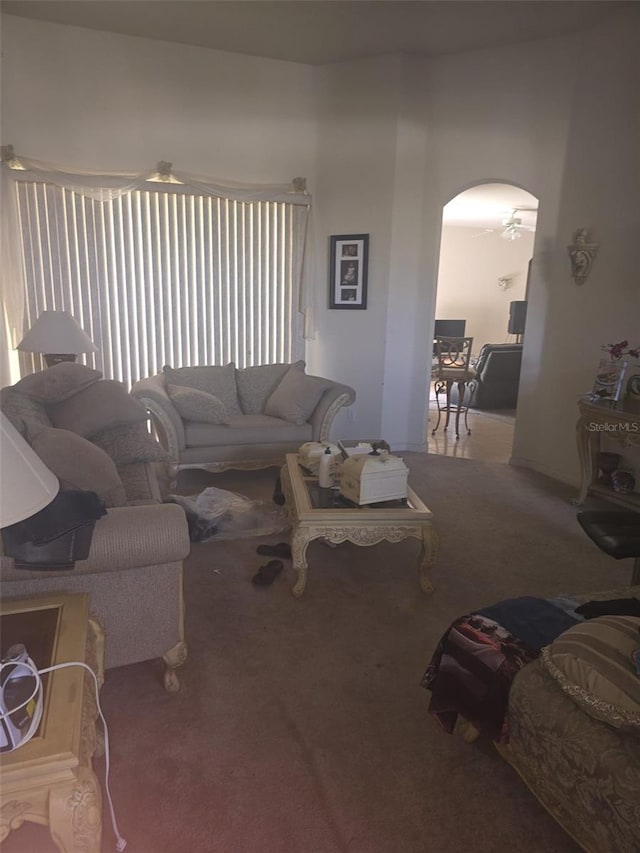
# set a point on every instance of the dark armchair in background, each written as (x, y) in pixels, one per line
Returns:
(497, 377)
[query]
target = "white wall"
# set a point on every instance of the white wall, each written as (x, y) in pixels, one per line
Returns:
(103, 101)
(385, 143)
(471, 262)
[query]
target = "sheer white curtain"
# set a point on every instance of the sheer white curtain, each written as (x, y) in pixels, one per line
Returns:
(158, 267)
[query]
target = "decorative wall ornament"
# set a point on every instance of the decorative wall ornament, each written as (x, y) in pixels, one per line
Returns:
(582, 254)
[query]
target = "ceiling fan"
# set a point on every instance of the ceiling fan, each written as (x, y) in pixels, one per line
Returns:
(513, 224)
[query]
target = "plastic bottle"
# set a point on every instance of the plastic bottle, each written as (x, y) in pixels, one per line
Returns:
(324, 471)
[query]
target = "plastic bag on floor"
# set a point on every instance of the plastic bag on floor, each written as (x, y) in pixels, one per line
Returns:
(219, 514)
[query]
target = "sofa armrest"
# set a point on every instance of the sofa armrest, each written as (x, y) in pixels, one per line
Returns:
(152, 393)
(333, 399)
(125, 538)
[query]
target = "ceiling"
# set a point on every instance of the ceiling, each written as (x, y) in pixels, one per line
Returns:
(487, 205)
(318, 32)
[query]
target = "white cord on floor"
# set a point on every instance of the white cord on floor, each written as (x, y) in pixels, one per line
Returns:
(37, 691)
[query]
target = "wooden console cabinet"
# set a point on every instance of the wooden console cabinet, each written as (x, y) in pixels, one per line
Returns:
(623, 427)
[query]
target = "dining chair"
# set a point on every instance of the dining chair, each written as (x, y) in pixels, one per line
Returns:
(453, 367)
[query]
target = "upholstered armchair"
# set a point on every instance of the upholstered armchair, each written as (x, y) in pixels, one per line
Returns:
(92, 434)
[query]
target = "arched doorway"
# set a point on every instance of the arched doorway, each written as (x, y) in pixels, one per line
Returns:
(487, 240)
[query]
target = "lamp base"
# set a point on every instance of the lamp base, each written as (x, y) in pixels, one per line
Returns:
(52, 358)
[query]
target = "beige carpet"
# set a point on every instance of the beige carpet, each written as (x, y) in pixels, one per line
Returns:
(301, 726)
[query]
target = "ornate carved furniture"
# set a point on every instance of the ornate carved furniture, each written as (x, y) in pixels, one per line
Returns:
(595, 421)
(93, 435)
(319, 513)
(49, 780)
(266, 411)
(453, 368)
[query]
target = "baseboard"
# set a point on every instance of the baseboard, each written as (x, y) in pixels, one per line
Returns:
(553, 473)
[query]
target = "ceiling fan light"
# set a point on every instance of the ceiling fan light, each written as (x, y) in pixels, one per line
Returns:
(511, 232)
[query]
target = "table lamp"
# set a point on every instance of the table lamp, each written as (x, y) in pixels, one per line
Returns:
(26, 484)
(58, 336)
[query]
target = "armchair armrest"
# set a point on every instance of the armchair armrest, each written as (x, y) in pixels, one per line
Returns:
(333, 399)
(125, 538)
(153, 395)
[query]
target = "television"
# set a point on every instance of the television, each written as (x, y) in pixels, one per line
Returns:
(449, 328)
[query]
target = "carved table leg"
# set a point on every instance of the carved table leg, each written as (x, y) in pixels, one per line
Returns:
(75, 814)
(586, 454)
(300, 538)
(428, 556)
(174, 658)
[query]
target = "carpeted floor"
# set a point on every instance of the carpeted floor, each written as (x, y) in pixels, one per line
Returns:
(301, 726)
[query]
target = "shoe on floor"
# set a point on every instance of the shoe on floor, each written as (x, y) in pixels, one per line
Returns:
(268, 573)
(282, 549)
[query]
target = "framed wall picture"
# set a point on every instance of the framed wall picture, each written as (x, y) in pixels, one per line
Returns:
(348, 271)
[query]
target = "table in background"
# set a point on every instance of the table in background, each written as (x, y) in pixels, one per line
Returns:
(623, 427)
(316, 514)
(49, 780)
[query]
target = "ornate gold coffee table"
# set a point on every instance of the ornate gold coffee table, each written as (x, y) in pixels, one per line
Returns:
(49, 780)
(317, 514)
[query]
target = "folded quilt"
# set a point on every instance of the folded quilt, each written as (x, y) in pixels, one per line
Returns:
(478, 657)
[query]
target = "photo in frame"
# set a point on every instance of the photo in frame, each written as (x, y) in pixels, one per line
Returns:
(348, 271)
(609, 381)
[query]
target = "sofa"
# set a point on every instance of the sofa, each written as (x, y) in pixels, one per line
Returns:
(220, 417)
(556, 685)
(495, 385)
(93, 435)
(574, 730)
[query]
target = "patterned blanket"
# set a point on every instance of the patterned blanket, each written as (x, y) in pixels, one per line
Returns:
(476, 660)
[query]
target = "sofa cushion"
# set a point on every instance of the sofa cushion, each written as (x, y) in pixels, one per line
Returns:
(256, 384)
(79, 464)
(98, 407)
(57, 383)
(245, 429)
(130, 443)
(216, 380)
(195, 405)
(296, 396)
(592, 664)
(27, 415)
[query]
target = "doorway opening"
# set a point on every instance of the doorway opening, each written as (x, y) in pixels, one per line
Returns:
(486, 247)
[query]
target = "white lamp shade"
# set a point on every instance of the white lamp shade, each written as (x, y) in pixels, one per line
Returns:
(26, 484)
(57, 332)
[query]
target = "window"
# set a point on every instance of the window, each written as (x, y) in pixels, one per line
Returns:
(165, 274)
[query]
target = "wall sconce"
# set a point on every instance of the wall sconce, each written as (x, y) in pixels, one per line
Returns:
(504, 283)
(581, 255)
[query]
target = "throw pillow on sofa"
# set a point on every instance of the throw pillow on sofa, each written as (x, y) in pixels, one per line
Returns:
(257, 384)
(217, 380)
(130, 443)
(98, 407)
(57, 383)
(27, 415)
(195, 405)
(592, 663)
(296, 396)
(79, 464)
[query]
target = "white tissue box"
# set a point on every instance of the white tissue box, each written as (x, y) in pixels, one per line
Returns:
(368, 479)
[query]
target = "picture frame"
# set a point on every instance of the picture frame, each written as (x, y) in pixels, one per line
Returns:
(348, 271)
(609, 382)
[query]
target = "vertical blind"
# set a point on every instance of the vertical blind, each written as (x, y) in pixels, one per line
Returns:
(166, 275)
